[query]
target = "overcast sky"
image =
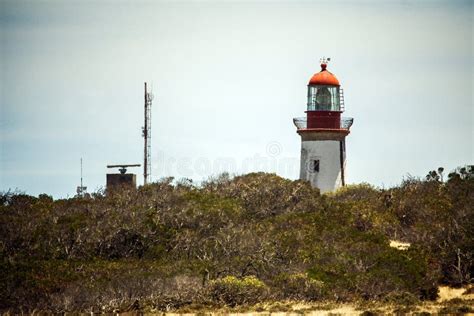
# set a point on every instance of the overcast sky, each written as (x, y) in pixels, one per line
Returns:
(228, 77)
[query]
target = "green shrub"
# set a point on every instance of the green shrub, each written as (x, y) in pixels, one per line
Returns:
(233, 291)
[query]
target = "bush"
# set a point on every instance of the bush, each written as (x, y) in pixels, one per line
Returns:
(233, 291)
(298, 287)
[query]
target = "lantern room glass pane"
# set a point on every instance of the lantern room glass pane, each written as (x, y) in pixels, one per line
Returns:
(323, 98)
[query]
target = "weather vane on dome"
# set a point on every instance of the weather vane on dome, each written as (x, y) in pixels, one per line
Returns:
(324, 60)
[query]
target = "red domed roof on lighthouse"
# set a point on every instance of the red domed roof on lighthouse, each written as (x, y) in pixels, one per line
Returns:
(324, 77)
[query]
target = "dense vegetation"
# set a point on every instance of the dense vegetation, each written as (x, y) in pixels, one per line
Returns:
(233, 241)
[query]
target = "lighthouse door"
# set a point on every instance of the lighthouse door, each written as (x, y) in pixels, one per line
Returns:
(315, 166)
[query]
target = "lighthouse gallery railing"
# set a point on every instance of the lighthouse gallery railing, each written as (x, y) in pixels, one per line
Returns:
(346, 122)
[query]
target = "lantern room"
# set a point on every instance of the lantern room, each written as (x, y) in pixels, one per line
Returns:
(325, 100)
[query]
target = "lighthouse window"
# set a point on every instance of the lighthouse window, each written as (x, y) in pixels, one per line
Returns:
(323, 98)
(316, 165)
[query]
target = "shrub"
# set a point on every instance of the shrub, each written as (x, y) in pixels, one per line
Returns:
(233, 291)
(298, 287)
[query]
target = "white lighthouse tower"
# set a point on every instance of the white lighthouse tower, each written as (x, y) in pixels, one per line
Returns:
(323, 132)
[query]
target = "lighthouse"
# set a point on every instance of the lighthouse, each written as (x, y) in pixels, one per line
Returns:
(323, 132)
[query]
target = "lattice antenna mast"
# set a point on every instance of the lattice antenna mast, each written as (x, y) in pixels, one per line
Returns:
(81, 190)
(146, 130)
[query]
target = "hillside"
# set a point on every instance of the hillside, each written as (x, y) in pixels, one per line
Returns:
(235, 241)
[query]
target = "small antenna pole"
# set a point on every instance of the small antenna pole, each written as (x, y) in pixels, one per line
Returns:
(81, 172)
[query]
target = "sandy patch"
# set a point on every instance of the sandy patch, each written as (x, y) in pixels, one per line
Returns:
(343, 310)
(399, 245)
(447, 293)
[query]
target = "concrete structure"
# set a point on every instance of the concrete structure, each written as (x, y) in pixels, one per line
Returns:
(118, 180)
(323, 133)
